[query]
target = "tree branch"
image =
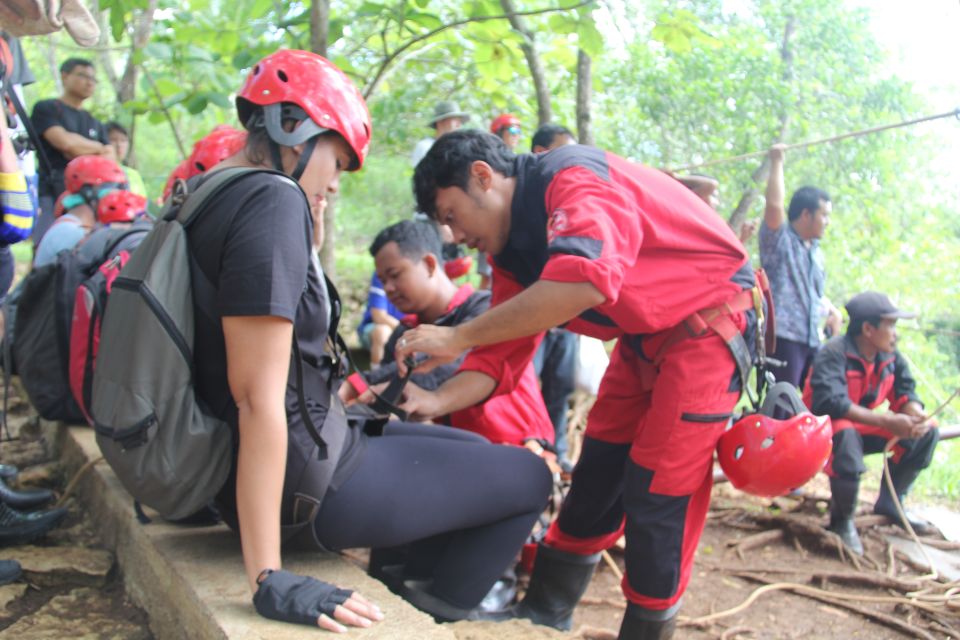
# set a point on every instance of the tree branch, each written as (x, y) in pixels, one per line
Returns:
(378, 76)
(166, 113)
(539, 76)
(761, 173)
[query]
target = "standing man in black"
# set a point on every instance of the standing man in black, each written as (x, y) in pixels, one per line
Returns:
(66, 131)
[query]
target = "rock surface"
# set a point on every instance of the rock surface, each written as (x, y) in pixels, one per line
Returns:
(89, 616)
(48, 566)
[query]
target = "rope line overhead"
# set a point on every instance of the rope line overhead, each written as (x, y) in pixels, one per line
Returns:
(843, 136)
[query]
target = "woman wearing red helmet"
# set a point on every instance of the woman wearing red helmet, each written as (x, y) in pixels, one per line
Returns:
(414, 485)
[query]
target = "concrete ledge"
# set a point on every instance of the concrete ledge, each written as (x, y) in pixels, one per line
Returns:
(191, 580)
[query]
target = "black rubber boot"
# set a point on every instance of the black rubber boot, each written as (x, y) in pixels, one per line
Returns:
(9, 571)
(640, 623)
(843, 506)
(30, 499)
(902, 479)
(558, 582)
(22, 528)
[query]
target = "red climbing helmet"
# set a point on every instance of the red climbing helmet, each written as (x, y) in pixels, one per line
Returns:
(92, 171)
(327, 101)
(180, 172)
(121, 206)
(503, 121)
(214, 148)
(457, 267)
(770, 457)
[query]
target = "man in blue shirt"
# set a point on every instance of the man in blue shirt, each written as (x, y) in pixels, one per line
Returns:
(379, 320)
(790, 253)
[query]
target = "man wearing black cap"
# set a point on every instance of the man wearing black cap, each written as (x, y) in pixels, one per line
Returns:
(852, 375)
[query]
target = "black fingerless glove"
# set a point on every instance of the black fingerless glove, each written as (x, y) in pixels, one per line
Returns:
(288, 597)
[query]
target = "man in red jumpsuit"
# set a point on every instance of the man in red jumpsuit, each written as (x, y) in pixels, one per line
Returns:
(611, 249)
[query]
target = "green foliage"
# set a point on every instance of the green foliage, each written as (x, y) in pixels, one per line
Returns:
(690, 81)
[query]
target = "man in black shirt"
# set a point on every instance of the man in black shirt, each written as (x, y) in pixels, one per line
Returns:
(66, 131)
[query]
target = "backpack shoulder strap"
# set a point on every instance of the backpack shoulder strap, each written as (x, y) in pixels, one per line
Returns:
(212, 185)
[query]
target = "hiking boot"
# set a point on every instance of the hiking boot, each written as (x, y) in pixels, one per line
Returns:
(558, 582)
(640, 623)
(22, 528)
(885, 506)
(9, 571)
(843, 506)
(29, 499)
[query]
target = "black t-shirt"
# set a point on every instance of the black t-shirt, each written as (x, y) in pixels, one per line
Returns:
(51, 113)
(265, 268)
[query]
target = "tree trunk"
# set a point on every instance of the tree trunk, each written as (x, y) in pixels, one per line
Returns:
(761, 173)
(584, 93)
(319, 36)
(539, 76)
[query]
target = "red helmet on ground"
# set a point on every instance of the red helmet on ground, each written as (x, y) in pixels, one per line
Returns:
(121, 206)
(92, 171)
(327, 101)
(769, 457)
(180, 172)
(503, 121)
(215, 147)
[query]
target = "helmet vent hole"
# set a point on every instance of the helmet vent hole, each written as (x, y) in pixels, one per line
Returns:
(282, 75)
(767, 442)
(738, 453)
(256, 70)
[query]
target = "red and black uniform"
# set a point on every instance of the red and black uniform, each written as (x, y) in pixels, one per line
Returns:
(511, 418)
(662, 258)
(841, 377)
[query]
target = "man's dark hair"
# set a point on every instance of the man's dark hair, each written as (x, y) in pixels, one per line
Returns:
(546, 134)
(72, 63)
(447, 164)
(414, 239)
(855, 328)
(113, 125)
(806, 198)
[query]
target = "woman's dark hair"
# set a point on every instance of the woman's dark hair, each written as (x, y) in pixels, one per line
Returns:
(257, 147)
(113, 125)
(447, 164)
(806, 199)
(855, 328)
(414, 239)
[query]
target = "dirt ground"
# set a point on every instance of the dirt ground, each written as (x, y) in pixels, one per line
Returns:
(715, 587)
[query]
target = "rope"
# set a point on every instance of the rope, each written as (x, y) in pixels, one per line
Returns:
(888, 479)
(843, 136)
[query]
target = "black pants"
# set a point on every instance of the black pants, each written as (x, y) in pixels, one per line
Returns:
(849, 447)
(467, 504)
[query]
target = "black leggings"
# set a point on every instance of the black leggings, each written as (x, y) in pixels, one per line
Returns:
(477, 502)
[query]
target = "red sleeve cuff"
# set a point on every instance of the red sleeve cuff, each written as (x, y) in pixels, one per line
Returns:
(357, 382)
(487, 362)
(605, 275)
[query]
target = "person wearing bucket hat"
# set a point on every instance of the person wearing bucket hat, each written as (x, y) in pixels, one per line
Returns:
(447, 117)
(851, 377)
